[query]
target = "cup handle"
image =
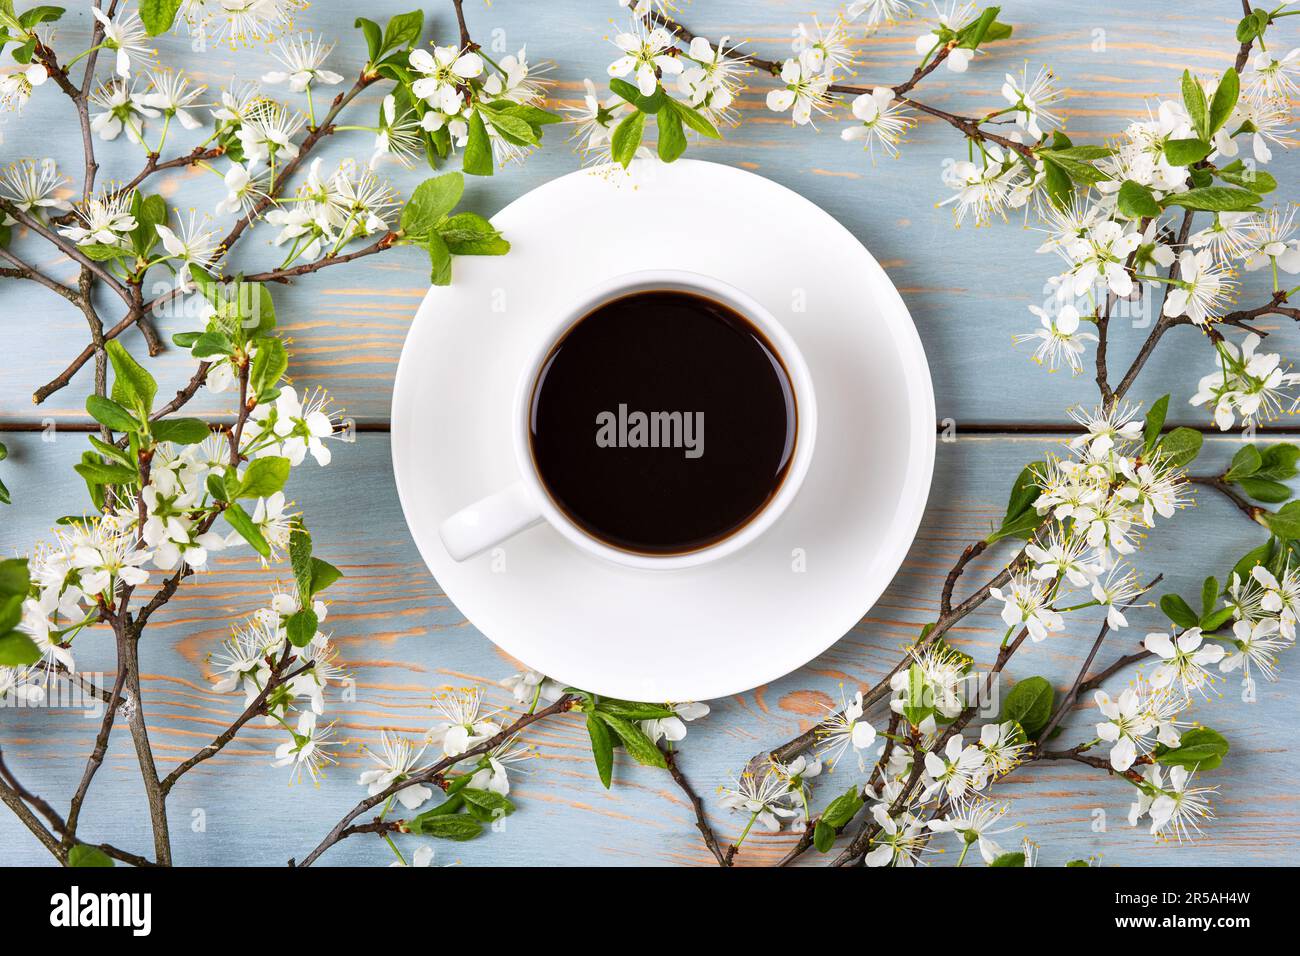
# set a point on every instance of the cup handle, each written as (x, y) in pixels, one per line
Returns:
(489, 521)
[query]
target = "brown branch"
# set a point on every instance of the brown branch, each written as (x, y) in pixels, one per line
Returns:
(23, 270)
(1092, 683)
(95, 760)
(724, 857)
(1251, 511)
(466, 42)
(287, 275)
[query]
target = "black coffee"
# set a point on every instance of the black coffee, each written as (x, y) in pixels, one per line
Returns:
(662, 422)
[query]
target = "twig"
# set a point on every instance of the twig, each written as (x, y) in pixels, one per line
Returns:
(1092, 683)
(23, 270)
(1253, 512)
(724, 858)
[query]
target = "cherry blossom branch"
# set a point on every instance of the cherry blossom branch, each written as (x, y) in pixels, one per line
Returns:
(1251, 511)
(286, 276)
(24, 270)
(432, 774)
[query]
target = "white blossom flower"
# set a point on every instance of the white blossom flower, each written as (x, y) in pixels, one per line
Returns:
(398, 134)
(516, 80)
(193, 243)
(125, 34)
(1059, 339)
(1105, 427)
(645, 54)
(308, 751)
(1270, 122)
(1102, 254)
(981, 190)
(803, 91)
(765, 797)
(1280, 597)
(1270, 241)
(1025, 602)
(294, 427)
(443, 74)
(1203, 288)
(303, 58)
(109, 556)
(422, 857)
(31, 186)
(1061, 556)
(1004, 745)
(1257, 645)
(1030, 100)
(464, 726)
(1115, 592)
(673, 728)
(883, 121)
(397, 759)
(240, 21)
(531, 687)
(960, 768)
(878, 11)
(823, 50)
(238, 102)
(1245, 598)
(1228, 237)
(171, 94)
(267, 132)
(594, 121)
(243, 658)
(895, 844)
(16, 88)
(1126, 726)
(957, 15)
(1184, 659)
(1181, 808)
(844, 729)
(492, 773)
(714, 78)
(974, 822)
(243, 190)
(105, 219)
(121, 108)
(1251, 383)
(1271, 77)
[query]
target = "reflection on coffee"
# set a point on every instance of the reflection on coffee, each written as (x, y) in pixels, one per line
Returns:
(662, 422)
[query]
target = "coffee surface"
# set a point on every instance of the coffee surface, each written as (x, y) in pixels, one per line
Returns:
(662, 422)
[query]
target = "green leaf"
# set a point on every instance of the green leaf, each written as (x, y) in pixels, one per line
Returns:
(1136, 201)
(1080, 172)
(1263, 489)
(82, 855)
(18, 650)
(1248, 177)
(1215, 620)
(1199, 749)
(1197, 109)
(374, 37)
(651, 104)
(1021, 518)
(182, 431)
(110, 414)
(694, 119)
(264, 477)
(823, 836)
(602, 749)
(207, 344)
(1181, 446)
(916, 709)
(1224, 101)
(469, 234)
(301, 627)
(430, 201)
(640, 747)
(238, 519)
(99, 473)
(300, 560)
(444, 826)
(843, 808)
(1184, 152)
(37, 15)
(626, 138)
(1029, 704)
(1209, 595)
(403, 30)
(150, 212)
(323, 574)
(972, 35)
(512, 128)
(15, 578)
(1057, 184)
(633, 710)
(1009, 859)
(493, 803)
(1215, 199)
(1178, 611)
(439, 259)
(1245, 463)
(477, 159)
(1251, 558)
(158, 15)
(132, 385)
(1285, 522)
(1154, 421)
(269, 365)
(672, 138)
(1279, 462)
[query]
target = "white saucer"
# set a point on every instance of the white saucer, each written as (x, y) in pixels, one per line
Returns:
(722, 628)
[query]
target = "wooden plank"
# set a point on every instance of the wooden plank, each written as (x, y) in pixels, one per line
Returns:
(405, 642)
(968, 289)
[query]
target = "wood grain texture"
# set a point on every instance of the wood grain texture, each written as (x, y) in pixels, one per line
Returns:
(405, 641)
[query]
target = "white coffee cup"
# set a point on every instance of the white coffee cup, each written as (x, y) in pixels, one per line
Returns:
(491, 520)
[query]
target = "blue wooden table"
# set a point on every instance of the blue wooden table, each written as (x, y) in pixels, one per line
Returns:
(967, 290)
